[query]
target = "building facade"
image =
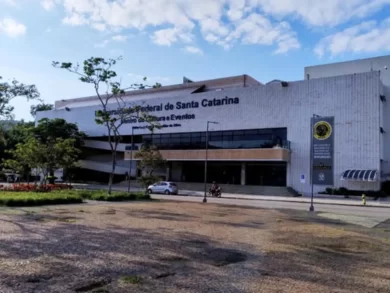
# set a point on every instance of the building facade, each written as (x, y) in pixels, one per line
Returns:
(380, 64)
(263, 131)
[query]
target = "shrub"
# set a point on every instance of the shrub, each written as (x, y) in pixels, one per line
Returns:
(101, 195)
(35, 188)
(33, 198)
(328, 190)
(293, 192)
(386, 187)
(344, 191)
(15, 198)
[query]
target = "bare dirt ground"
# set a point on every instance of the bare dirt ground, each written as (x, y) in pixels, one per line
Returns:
(184, 247)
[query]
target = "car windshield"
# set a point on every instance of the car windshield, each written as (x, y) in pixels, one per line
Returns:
(172, 184)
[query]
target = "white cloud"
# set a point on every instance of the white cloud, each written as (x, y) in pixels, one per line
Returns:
(368, 36)
(48, 4)
(320, 12)
(222, 22)
(98, 26)
(120, 38)
(258, 30)
(75, 20)
(166, 37)
(236, 9)
(175, 21)
(193, 50)
(12, 28)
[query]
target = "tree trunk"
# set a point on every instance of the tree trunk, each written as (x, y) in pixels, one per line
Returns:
(112, 174)
(51, 176)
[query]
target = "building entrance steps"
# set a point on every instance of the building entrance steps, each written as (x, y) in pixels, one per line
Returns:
(227, 188)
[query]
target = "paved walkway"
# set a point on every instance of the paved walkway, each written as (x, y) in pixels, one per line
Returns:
(318, 198)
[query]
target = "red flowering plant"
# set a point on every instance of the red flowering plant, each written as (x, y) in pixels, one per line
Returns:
(35, 188)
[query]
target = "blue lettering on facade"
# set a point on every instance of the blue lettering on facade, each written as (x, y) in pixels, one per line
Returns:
(205, 103)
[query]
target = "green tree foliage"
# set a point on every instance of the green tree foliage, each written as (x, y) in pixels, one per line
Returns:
(115, 111)
(14, 134)
(30, 154)
(58, 128)
(149, 158)
(11, 90)
(56, 153)
(51, 145)
(40, 107)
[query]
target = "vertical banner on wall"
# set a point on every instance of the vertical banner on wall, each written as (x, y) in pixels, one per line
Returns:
(322, 150)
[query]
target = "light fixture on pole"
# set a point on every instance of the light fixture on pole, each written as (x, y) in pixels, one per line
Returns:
(311, 209)
(205, 162)
(131, 157)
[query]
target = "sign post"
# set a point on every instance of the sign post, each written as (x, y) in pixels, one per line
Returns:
(322, 150)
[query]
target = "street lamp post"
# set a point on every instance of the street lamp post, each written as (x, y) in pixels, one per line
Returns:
(131, 157)
(205, 162)
(311, 209)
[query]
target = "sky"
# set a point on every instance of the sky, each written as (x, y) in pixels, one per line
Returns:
(165, 40)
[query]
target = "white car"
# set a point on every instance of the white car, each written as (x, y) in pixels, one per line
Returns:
(165, 187)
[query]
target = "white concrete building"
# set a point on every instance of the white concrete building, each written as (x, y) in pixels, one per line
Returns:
(263, 135)
(380, 64)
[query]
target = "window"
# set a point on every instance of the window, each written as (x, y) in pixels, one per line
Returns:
(230, 139)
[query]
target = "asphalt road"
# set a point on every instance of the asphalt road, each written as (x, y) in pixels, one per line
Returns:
(372, 212)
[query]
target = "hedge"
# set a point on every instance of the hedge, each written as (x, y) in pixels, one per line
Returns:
(101, 195)
(347, 192)
(18, 199)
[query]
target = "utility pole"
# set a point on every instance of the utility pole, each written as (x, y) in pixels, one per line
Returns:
(205, 162)
(311, 209)
(131, 157)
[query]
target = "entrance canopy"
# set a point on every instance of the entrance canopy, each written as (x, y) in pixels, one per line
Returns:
(360, 175)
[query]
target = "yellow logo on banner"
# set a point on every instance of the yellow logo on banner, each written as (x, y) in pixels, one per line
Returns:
(322, 130)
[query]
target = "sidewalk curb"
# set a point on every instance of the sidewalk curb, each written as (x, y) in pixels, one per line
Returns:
(300, 201)
(315, 202)
(276, 200)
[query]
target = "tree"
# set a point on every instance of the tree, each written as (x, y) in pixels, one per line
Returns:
(9, 91)
(43, 157)
(40, 107)
(49, 132)
(67, 154)
(149, 158)
(30, 153)
(58, 128)
(115, 112)
(13, 135)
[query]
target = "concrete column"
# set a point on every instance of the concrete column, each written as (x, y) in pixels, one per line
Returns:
(168, 172)
(243, 173)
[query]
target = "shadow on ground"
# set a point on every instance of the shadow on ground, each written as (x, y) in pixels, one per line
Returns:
(61, 253)
(69, 257)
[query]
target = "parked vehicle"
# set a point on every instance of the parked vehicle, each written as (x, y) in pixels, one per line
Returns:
(165, 187)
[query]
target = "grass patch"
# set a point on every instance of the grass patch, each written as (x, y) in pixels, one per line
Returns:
(101, 195)
(19, 199)
(131, 279)
(29, 199)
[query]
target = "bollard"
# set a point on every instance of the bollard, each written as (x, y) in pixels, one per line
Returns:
(364, 199)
